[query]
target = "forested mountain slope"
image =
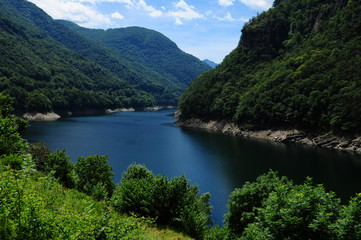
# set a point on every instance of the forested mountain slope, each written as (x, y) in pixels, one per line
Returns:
(150, 48)
(47, 66)
(296, 65)
(43, 75)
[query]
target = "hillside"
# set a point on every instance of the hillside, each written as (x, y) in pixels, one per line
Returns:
(47, 66)
(210, 63)
(149, 48)
(296, 66)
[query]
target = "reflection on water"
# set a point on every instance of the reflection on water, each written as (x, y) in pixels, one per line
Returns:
(215, 162)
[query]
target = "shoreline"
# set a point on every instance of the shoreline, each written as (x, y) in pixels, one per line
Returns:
(53, 116)
(330, 141)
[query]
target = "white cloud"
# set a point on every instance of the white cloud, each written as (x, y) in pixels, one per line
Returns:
(225, 3)
(183, 11)
(153, 12)
(74, 11)
(258, 4)
(117, 15)
(228, 17)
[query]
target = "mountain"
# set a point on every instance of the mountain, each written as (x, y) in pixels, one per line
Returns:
(48, 66)
(296, 66)
(149, 48)
(210, 63)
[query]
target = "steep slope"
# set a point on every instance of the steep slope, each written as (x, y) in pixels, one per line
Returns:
(296, 65)
(137, 75)
(43, 75)
(149, 48)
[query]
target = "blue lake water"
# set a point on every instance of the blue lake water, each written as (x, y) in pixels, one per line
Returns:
(215, 162)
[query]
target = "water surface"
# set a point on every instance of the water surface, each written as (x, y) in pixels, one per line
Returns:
(215, 162)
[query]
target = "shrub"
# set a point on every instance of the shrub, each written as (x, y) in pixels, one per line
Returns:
(40, 152)
(94, 176)
(175, 202)
(244, 202)
(59, 163)
(303, 212)
(14, 161)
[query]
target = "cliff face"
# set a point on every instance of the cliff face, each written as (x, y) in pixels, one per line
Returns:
(296, 66)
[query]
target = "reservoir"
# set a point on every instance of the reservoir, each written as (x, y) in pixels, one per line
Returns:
(216, 163)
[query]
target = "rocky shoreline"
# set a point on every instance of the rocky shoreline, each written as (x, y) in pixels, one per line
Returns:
(52, 116)
(344, 143)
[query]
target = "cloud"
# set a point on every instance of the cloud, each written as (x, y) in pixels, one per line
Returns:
(183, 11)
(225, 3)
(75, 11)
(228, 17)
(258, 4)
(117, 15)
(153, 12)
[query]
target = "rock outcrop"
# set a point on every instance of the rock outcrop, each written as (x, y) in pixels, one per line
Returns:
(347, 143)
(41, 116)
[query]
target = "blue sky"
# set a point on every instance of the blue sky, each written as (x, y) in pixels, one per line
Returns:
(206, 29)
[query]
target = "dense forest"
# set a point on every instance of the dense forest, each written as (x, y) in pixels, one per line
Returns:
(296, 65)
(151, 49)
(44, 195)
(47, 66)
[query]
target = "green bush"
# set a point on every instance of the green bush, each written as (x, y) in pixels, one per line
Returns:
(350, 221)
(94, 176)
(303, 212)
(40, 152)
(10, 128)
(14, 161)
(175, 202)
(243, 203)
(59, 163)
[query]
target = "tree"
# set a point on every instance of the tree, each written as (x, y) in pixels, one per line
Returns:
(60, 164)
(95, 176)
(40, 152)
(244, 203)
(303, 212)
(10, 128)
(173, 202)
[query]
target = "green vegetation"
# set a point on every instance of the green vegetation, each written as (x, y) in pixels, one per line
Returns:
(151, 49)
(274, 208)
(43, 195)
(46, 66)
(173, 202)
(296, 65)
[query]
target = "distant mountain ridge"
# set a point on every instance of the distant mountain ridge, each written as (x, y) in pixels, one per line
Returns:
(296, 66)
(48, 66)
(210, 63)
(150, 48)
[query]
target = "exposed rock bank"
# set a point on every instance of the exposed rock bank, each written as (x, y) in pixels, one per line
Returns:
(352, 144)
(41, 116)
(111, 111)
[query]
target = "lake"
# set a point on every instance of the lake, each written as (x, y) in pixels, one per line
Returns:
(216, 163)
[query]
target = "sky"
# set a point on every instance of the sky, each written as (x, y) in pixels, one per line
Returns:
(207, 29)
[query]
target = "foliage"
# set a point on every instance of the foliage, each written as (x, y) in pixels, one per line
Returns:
(14, 161)
(47, 66)
(34, 206)
(296, 65)
(151, 49)
(175, 202)
(10, 128)
(94, 176)
(303, 212)
(62, 168)
(350, 220)
(40, 152)
(243, 203)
